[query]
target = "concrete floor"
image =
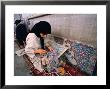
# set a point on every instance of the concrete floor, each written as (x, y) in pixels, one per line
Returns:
(20, 67)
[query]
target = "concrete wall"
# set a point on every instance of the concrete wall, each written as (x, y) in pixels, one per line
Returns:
(81, 27)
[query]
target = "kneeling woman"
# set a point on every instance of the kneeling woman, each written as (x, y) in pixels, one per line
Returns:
(35, 42)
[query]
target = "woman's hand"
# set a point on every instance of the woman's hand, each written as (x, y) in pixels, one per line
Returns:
(40, 51)
(50, 48)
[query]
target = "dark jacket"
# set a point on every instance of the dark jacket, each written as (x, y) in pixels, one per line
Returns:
(21, 32)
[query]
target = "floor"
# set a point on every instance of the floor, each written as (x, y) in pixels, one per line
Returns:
(20, 67)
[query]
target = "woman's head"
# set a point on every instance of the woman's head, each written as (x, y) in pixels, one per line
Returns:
(41, 29)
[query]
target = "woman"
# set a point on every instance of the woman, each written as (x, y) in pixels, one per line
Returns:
(35, 42)
(21, 32)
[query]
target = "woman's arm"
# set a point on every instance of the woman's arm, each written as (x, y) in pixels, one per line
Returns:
(40, 51)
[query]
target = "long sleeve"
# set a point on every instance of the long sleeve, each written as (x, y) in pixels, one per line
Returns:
(32, 44)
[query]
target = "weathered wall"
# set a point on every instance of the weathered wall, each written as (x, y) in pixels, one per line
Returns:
(81, 27)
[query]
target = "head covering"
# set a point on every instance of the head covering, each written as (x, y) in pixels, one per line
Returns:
(41, 27)
(17, 22)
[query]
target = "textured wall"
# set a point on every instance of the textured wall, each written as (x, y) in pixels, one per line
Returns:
(81, 27)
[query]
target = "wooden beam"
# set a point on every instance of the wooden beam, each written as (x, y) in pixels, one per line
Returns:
(38, 16)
